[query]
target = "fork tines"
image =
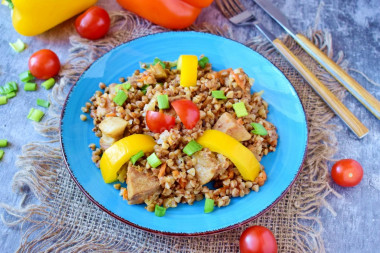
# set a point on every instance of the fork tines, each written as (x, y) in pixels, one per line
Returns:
(230, 8)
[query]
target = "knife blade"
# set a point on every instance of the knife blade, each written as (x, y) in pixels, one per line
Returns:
(361, 94)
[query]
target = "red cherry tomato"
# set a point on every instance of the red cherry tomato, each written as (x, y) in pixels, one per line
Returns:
(158, 122)
(44, 64)
(257, 239)
(93, 23)
(347, 172)
(187, 111)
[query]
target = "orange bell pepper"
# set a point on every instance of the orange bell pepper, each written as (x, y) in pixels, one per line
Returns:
(172, 14)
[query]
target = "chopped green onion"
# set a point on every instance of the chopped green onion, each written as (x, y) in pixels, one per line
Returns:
(144, 88)
(2, 91)
(202, 62)
(153, 160)
(13, 85)
(1, 153)
(11, 94)
(192, 147)
(26, 76)
(3, 143)
(259, 129)
(3, 100)
(172, 64)
(159, 211)
(120, 98)
(18, 46)
(43, 103)
(30, 86)
(240, 109)
(127, 85)
(218, 94)
(137, 156)
(35, 115)
(209, 205)
(156, 60)
(163, 101)
(6, 89)
(48, 83)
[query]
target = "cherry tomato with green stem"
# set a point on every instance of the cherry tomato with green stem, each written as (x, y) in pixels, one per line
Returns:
(258, 239)
(347, 172)
(93, 24)
(44, 64)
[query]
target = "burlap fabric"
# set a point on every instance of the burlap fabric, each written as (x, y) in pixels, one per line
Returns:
(64, 220)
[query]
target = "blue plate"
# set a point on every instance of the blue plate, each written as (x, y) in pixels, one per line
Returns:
(285, 111)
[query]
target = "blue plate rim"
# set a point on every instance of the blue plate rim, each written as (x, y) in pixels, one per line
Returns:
(209, 232)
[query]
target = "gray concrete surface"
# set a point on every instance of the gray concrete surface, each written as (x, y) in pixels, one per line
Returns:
(355, 29)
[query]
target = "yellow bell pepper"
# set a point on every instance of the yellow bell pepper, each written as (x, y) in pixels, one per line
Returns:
(188, 64)
(228, 146)
(32, 17)
(121, 151)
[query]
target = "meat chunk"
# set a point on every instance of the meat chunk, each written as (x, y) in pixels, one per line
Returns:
(112, 130)
(208, 166)
(106, 141)
(229, 125)
(158, 71)
(113, 127)
(140, 185)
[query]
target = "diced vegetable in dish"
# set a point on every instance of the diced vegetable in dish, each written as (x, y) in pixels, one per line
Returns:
(169, 139)
(188, 65)
(121, 151)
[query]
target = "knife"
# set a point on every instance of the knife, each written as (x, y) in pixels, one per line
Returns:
(361, 94)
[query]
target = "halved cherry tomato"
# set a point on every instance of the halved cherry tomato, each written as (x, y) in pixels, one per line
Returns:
(347, 172)
(187, 111)
(257, 239)
(158, 122)
(44, 64)
(93, 23)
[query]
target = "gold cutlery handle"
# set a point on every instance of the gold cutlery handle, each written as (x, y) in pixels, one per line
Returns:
(361, 94)
(332, 101)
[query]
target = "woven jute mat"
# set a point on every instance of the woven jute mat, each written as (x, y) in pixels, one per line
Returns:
(64, 220)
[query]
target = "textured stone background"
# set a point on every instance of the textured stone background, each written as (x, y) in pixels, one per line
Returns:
(355, 29)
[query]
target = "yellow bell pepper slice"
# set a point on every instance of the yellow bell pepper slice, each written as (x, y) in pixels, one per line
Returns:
(188, 64)
(32, 17)
(121, 151)
(228, 146)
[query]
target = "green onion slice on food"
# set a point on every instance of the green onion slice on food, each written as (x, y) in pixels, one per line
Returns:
(209, 205)
(203, 61)
(159, 211)
(137, 156)
(240, 109)
(163, 101)
(192, 147)
(120, 97)
(218, 94)
(259, 129)
(153, 160)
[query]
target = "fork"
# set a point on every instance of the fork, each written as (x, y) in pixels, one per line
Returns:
(238, 15)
